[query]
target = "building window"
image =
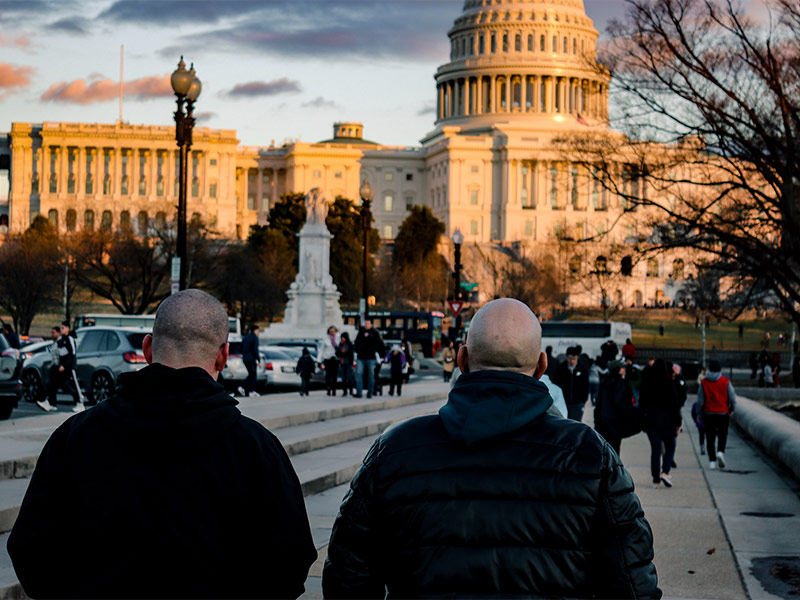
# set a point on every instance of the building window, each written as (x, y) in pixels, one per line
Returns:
(473, 227)
(317, 174)
(212, 190)
(161, 220)
(677, 269)
(125, 185)
(52, 216)
(530, 43)
(575, 188)
(88, 220)
(143, 221)
(251, 202)
(574, 46)
(575, 265)
(554, 188)
(105, 221)
(518, 43)
(388, 176)
(529, 228)
(195, 187)
(409, 202)
(652, 267)
(125, 220)
(265, 177)
(481, 45)
(70, 183)
(473, 197)
(505, 42)
(541, 43)
(213, 162)
(338, 175)
(409, 177)
(388, 200)
(494, 43)
(555, 44)
(578, 232)
(474, 168)
(564, 46)
(72, 219)
(601, 264)
(160, 186)
(89, 186)
(558, 229)
(387, 232)
(626, 266)
(142, 186)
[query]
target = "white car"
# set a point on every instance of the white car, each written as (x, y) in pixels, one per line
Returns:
(280, 364)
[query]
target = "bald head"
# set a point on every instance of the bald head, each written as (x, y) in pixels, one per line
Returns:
(190, 330)
(505, 335)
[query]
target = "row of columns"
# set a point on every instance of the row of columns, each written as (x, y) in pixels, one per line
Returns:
(515, 42)
(490, 94)
(58, 156)
(273, 192)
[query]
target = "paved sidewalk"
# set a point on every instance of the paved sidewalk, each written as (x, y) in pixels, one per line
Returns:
(704, 546)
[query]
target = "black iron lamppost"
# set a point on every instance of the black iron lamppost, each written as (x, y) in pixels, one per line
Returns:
(187, 88)
(458, 239)
(366, 194)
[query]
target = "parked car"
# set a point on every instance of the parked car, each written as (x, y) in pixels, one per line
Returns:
(10, 383)
(35, 348)
(234, 373)
(104, 353)
(296, 350)
(280, 365)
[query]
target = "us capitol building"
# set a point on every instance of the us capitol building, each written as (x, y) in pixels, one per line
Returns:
(518, 77)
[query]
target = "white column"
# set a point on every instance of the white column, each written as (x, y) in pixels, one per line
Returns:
(467, 96)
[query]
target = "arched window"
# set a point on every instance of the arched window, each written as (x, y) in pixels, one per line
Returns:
(481, 44)
(494, 43)
(677, 268)
(105, 221)
(518, 43)
(161, 220)
(72, 219)
(88, 220)
(143, 222)
(125, 220)
(530, 42)
(618, 298)
(638, 298)
(575, 265)
(52, 216)
(501, 90)
(626, 266)
(601, 264)
(652, 267)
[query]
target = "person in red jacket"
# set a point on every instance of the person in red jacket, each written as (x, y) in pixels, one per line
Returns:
(716, 399)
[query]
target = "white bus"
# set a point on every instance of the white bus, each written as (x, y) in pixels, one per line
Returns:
(141, 321)
(590, 335)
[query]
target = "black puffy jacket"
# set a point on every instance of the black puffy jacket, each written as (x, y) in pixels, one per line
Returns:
(494, 496)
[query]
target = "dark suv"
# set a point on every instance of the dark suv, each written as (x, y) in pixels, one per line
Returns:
(104, 353)
(10, 384)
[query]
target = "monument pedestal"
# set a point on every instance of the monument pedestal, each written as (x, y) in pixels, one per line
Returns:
(313, 304)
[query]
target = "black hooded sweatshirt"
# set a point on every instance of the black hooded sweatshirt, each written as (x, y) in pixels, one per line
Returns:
(166, 490)
(492, 497)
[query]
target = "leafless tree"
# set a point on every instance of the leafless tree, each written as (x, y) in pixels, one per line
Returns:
(708, 103)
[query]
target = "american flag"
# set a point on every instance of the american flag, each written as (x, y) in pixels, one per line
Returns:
(581, 120)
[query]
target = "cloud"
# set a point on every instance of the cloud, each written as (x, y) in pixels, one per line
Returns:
(13, 79)
(169, 13)
(283, 85)
(204, 117)
(96, 75)
(102, 90)
(429, 108)
(362, 29)
(320, 102)
(74, 25)
(20, 41)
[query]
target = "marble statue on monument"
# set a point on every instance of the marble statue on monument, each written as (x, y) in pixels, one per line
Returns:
(313, 304)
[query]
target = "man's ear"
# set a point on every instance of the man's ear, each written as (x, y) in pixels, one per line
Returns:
(222, 358)
(147, 348)
(462, 358)
(541, 366)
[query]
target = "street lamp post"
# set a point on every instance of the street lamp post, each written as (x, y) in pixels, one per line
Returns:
(187, 88)
(366, 194)
(458, 239)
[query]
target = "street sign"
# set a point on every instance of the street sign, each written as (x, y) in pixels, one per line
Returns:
(455, 306)
(469, 286)
(175, 287)
(176, 268)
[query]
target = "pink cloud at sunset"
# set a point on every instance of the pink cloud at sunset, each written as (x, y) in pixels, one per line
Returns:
(12, 78)
(19, 41)
(102, 90)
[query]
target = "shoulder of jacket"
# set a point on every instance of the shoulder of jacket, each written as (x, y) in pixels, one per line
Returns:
(411, 433)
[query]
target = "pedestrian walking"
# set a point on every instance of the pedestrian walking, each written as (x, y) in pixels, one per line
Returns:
(716, 400)
(346, 354)
(250, 356)
(608, 352)
(368, 347)
(448, 361)
(615, 414)
(397, 363)
(596, 371)
(51, 402)
(62, 375)
(574, 382)
(662, 420)
(433, 511)
(11, 337)
(330, 360)
(753, 362)
(405, 348)
(168, 488)
(305, 368)
(629, 349)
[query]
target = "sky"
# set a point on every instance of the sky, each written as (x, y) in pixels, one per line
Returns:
(273, 70)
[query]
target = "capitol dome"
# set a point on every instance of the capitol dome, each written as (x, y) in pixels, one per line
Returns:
(513, 60)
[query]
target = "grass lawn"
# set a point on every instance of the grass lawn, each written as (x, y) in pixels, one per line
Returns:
(680, 331)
